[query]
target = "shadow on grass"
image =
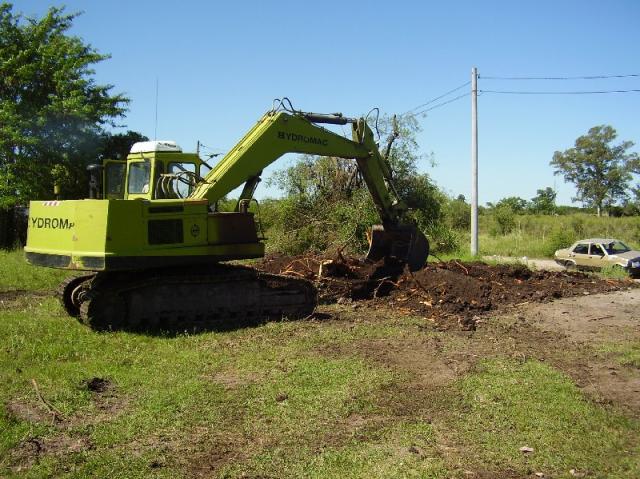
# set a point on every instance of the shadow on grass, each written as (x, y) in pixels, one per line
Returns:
(185, 326)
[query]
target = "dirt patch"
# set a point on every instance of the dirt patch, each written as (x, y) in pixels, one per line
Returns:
(97, 385)
(433, 359)
(108, 403)
(611, 318)
(31, 450)
(12, 298)
(233, 379)
(586, 325)
(27, 411)
(440, 291)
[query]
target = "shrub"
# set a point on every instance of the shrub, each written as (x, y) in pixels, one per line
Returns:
(458, 214)
(560, 238)
(505, 221)
(577, 224)
(443, 239)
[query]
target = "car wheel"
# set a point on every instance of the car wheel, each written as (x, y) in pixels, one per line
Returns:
(571, 266)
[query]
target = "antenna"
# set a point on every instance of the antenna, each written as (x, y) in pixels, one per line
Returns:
(155, 130)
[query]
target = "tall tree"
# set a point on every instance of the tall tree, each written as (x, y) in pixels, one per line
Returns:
(544, 202)
(52, 112)
(599, 169)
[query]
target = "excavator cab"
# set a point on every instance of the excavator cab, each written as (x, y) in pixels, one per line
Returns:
(153, 170)
(160, 170)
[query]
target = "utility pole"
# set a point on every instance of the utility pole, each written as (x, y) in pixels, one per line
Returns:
(474, 161)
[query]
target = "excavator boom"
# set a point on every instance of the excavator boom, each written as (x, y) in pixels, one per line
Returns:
(279, 133)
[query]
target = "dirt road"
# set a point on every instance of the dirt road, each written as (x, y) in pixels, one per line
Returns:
(543, 264)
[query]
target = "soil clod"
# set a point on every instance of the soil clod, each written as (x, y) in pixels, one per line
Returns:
(97, 385)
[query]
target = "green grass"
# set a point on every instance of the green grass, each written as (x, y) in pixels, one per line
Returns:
(15, 274)
(613, 272)
(177, 396)
(538, 236)
(507, 405)
(286, 399)
(626, 353)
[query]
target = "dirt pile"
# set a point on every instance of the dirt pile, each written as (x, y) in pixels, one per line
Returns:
(440, 290)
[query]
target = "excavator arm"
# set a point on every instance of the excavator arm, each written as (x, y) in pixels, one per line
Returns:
(278, 133)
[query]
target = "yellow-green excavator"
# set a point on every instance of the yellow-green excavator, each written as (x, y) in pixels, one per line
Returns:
(155, 244)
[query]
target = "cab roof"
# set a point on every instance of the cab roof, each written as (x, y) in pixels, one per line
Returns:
(156, 145)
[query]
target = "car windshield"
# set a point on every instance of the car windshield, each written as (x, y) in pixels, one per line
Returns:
(616, 247)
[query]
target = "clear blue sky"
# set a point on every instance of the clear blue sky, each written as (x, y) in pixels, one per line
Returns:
(220, 64)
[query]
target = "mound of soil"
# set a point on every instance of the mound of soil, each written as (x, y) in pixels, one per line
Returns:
(440, 290)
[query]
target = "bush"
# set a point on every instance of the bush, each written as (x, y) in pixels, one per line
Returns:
(560, 238)
(458, 214)
(577, 224)
(614, 272)
(443, 239)
(505, 221)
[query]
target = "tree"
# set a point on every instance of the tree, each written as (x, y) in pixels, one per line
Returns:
(599, 169)
(515, 203)
(458, 213)
(327, 202)
(117, 147)
(544, 202)
(52, 112)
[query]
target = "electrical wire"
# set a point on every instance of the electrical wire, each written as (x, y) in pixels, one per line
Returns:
(592, 77)
(440, 104)
(593, 92)
(436, 98)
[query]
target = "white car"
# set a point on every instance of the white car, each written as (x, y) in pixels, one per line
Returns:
(596, 253)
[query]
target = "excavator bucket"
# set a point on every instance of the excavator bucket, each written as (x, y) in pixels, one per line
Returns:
(405, 243)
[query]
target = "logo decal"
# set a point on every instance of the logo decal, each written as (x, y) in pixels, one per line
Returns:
(282, 135)
(52, 223)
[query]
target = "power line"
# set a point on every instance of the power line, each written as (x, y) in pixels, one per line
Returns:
(441, 104)
(593, 92)
(592, 77)
(436, 98)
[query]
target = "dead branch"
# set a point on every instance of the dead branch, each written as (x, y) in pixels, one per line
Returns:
(466, 271)
(382, 281)
(288, 267)
(601, 317)
(394, 135)
(55, 412)
(294, 273)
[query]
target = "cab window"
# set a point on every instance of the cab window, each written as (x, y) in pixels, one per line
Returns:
(581, 249)
(186, 173)
(114, 180)
(596, 250)
(139, 173)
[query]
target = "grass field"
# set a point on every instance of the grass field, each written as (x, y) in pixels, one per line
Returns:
(538, 236)
(366, 394)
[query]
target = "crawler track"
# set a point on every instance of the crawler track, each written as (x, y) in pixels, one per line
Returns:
(195, 299)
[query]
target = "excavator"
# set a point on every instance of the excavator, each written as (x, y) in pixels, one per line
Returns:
(155, 249)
